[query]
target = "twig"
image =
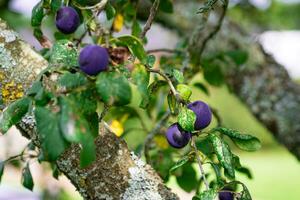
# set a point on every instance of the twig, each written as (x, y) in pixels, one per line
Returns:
(200, 163)
(99, 7)
(150, 19)
(104, 112)
(164, 50)
(152, 134)
(214, 31)
(174, 91)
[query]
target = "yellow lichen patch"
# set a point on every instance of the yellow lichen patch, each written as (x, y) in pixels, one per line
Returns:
(2, 77)
(11, 91)
(161, 142)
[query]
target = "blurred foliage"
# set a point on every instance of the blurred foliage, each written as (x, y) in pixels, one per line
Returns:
(278, 16)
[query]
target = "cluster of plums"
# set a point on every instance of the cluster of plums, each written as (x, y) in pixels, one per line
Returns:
(177, 137)
(93, 59)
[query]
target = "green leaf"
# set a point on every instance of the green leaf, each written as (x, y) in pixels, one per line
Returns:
(72, 122)
(223, 153)
(86, 100)
(173, 104)
(88, 150)
(27, 180)
(64, 53)
(136, 28)
(202, 87)
(13, 114)
(2, 164)
(238, 56)
(217, 170)
(150, 61)
(188, 180)
(153, 87)
(53, 143)
(38, 34)
(186, 119)
(134, 45)
(89, 19)
(185, 159)
(206, 195)
(35, 88)
(113, 88)
(213, 74)
(37, 14)
(184, 91)
(238, 167)
(245, 194)
(72, 81)
(55, 5)
(166, 6)
(178, 75)
(110, 11)
(141, 77)
(204, 145)
(243, 141)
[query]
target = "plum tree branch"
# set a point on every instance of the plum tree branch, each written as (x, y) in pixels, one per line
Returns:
(150, 19)
(199, 163)
(116, 174)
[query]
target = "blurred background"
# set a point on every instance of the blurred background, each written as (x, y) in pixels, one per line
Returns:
(276, 172)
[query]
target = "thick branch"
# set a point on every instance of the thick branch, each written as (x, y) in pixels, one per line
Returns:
(116, 173)
(262, 84)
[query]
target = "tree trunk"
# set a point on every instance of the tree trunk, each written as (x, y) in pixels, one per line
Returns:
(116, 173)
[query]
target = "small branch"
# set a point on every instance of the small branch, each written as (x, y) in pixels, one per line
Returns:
(150, 19)
(174, 91)
(104, 112)
(199, 163)
(152, 134)
(211, 34)
(164, 50)
(97, 6)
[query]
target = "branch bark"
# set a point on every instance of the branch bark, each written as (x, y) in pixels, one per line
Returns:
(262, 84)
(116, 173)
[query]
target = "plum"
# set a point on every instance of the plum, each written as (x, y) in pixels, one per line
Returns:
(203, 114)
(67, 20)
(93, 59)
(177, 137)
(225, 195)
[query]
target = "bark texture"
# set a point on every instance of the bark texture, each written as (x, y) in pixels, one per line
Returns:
(262, 84)
(116, 173)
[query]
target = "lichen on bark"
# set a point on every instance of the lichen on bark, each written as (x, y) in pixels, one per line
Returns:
(108, 177)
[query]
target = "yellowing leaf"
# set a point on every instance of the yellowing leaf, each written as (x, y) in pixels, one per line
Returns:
(161, 142)
(117, 128)
(118, 23)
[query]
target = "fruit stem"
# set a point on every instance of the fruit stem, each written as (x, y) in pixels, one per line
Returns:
(199, 163)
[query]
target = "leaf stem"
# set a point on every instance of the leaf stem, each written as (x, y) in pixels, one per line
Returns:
(199, 163)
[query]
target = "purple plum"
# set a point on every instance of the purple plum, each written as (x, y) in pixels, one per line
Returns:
(203, 114)
(225, 195)
(67, 20)
(93, 59)
(177, 137)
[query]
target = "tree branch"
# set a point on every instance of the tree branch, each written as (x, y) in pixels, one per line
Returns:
(116, 173)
